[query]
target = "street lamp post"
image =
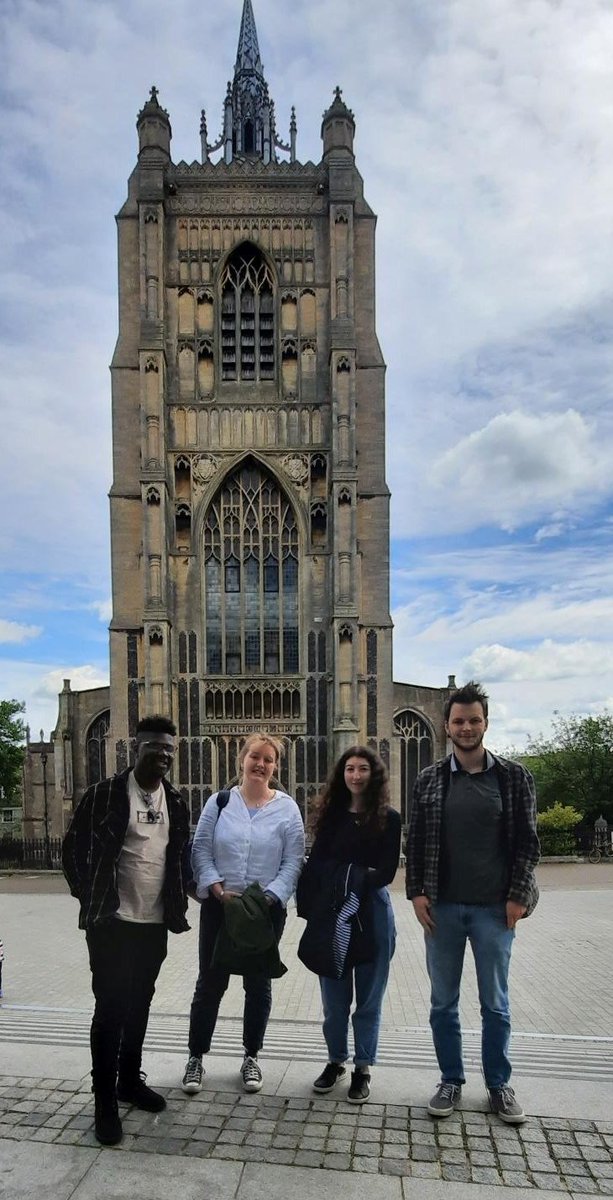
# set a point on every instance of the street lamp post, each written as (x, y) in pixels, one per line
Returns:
(48, 863)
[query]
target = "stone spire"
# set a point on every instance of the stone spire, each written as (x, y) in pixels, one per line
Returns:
(248, 53)
(249, 129)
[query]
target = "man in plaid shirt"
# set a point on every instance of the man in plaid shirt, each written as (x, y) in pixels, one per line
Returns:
(472, 848)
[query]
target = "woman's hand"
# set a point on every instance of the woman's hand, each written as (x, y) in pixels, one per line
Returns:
(217, 890)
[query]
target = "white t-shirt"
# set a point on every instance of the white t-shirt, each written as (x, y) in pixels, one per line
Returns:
(141, 866)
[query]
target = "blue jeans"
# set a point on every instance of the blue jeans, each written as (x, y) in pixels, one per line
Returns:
(485, 928)
(370, 984)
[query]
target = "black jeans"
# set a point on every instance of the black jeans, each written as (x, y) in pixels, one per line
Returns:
(213, 981)
(125, 960)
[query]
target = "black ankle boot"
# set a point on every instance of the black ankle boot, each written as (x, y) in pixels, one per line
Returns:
(134, 1090)
(107, 1125)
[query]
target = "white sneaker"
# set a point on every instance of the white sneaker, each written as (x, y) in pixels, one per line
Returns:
(251, 1074)
(192, 1079)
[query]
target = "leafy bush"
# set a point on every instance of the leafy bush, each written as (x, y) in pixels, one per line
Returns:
(555, 826)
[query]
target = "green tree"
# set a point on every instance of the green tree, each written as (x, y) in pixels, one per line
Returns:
(555, 826)
(12, 734)
(575, 766)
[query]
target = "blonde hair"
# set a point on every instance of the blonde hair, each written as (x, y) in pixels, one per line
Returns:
(275, 744)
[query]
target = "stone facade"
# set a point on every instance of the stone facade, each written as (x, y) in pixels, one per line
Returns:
(249, 506)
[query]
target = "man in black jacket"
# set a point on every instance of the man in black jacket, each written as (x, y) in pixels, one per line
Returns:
(122, 859)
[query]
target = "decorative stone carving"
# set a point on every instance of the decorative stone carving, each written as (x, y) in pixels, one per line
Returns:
(156, 636)
(345, 633)
(151, 216)
(152, 365)
(296, 466)
(204, 467)
(341, 216)
(153, 495)
(343, 364)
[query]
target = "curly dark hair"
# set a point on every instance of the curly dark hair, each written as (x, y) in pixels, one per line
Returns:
(336, 796)
(156, 724)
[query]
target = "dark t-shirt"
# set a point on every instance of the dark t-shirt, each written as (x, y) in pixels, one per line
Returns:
(344, 839)
(474, 868)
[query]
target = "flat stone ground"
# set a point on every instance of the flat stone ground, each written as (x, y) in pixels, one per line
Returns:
(560, 977)
(226, 1143)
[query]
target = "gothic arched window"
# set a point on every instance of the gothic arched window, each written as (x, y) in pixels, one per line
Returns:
(247, 317)
(95, 748)
(251, 578)
(416, 749)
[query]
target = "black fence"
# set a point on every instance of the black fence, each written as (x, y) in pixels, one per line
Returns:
(36, 854)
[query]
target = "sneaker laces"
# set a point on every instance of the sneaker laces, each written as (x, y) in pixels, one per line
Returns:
(251, 1070)
(447, 1091)
(193, 1070)
(506, 1093)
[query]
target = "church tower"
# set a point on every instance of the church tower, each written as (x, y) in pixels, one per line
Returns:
(249, 508)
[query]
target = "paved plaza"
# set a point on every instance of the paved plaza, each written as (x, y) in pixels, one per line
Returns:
(226, 1143)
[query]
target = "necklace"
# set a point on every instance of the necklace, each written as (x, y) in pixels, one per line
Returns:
(256, 803)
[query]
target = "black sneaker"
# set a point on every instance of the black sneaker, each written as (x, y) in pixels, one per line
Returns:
(136, 1092)
(359, 1088)
(107, 1125)
(329, 1077)
(444, 1099)
(505, 1106)
(251, 1074)
(192, 1078)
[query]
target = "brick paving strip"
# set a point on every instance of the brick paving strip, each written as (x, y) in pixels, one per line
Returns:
(388, 1139)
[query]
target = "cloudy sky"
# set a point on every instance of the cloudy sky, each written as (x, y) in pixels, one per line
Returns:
(485, 138)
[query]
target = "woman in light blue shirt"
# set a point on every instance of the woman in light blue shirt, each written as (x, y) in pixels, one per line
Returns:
(256, 837)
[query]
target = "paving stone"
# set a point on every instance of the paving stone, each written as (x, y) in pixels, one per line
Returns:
(485, 1175)
(395, 1166)
(369, 1165)
(483, 1160)
(396, 1137)
(538, 1162)
(596, 1154)
(548, 1183)
(367, 1149)
(588, 1139)
(231, 1137)
(575, 1183)
(511, 1162)
(338, 1146)
(316, 1129)
(516, 1179)
(455, 1174)
(197, 1150)
(422, 1139)
(337, 1162)
(425, 1170)
(43, 1135)
(260, 1139)
(602, 1170)
(451, 1141)
(285, 1157)
(309, 1158)
(457, 1158)
(283, 1141)
(424, 1153)
(68, 1137)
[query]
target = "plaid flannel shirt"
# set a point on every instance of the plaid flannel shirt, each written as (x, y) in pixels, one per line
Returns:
(424, 831)
(93, 844)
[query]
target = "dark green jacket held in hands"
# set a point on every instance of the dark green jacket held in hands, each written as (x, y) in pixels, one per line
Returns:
(246, 943)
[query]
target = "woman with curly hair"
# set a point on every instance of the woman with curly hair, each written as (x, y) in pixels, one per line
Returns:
(356, 825)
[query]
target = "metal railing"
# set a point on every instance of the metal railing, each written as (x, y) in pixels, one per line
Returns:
(36, 854)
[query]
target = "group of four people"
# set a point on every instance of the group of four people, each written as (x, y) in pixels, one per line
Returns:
(471, 852)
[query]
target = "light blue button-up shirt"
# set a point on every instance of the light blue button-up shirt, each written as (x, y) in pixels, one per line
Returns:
(236, 848)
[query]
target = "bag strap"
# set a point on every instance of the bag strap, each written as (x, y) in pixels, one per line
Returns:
(222, 800)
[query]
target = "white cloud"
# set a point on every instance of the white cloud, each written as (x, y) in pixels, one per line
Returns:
(104, 609)
(548, 661)
(81, 678)
(12, 631)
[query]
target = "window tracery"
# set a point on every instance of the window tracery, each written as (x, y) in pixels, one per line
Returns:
(251, 578)
(247, 317)
(416, 752)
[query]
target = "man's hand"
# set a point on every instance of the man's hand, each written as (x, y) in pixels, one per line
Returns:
(515, 912)
(423, 912)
